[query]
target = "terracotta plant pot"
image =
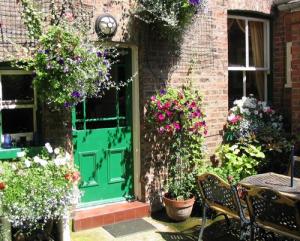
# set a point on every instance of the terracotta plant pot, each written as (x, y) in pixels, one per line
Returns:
(178, 210)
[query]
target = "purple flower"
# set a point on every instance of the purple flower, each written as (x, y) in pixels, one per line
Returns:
(47, 51)
(61, 61)
(75, 94)
(99, 54)
(67, 105)
(162, 92)
(194, 2)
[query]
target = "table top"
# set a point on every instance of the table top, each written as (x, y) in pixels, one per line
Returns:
(275, 181)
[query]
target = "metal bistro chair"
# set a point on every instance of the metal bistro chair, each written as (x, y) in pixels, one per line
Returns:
(222, 198)
(272, 211)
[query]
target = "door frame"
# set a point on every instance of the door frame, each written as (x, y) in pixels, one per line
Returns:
(136, 138)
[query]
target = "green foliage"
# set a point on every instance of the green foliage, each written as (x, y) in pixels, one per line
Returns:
(34, 190)
(32, 19)
(177, 118)
(68, 67)
(239, 160)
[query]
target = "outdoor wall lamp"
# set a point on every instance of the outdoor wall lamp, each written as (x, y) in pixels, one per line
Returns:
(106, 25)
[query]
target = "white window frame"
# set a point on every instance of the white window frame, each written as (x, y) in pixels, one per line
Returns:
(247, 67)
(15, 105)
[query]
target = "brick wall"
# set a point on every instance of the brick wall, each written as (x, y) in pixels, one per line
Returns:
(286, 29)
(295, 95)
(206, 69)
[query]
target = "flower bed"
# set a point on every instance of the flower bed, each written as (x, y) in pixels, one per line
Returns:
(35, 190)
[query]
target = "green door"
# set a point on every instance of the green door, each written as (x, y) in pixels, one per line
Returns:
(102, 139)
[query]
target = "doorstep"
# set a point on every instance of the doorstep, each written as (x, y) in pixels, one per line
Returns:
(108, 214)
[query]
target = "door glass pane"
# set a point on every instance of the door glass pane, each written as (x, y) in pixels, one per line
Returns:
(255, 84)
(236, 42)
(17, 121)
(235, 88)
(121, 77)
(256, 44)
(17, 87)
(102, 107)
(101, 124)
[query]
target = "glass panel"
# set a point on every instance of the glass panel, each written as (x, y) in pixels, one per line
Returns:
(255, 84)
(235, 88)
(79, 111)
(17, 121)
(102, 107)
(101, 124)
(17, 87)
(236, 42)
(256, 44)
(122, 92)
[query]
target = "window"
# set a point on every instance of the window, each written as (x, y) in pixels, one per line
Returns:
(248, 56)
(18, 107)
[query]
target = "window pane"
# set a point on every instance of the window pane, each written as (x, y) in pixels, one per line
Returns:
(235, 88)
(17, 87)
(236, 42)
(102, 107)
(255, 84)
(256, 44)
(17, 121)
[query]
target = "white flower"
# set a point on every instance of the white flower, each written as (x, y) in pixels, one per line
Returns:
(246, 111)
(255, 112)
(14, 167)
(59, 161)
(56, 151)
(49, 147)
(20, 154)
(43, 162)
(68, 157)
(36, 159)
(231, 117)
(1, 171)
(27, 163)
(40, 161)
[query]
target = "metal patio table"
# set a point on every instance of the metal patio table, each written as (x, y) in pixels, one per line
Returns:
(278, 182)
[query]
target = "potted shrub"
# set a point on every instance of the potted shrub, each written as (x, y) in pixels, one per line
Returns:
(37, 191)
(177, 118)
(254, 141)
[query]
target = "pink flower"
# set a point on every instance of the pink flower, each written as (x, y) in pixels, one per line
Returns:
(161, 117)
(205, 132)
(177, 126)
(169, 128)
(153, 98)
(167, 105)
(193, 104)
(161, 130)
(233, 119)
(169, 113)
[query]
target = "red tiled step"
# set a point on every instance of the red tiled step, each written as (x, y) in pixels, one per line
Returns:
(109, 214)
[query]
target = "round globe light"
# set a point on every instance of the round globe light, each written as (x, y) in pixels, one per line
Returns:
(106, 25)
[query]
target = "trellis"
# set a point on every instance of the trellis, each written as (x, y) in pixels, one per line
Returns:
(13, 31)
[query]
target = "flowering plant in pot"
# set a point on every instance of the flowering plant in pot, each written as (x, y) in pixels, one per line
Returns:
(254, 141)
(177, 117)
(35, 191)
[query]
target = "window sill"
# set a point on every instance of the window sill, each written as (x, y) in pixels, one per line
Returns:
(11, 153)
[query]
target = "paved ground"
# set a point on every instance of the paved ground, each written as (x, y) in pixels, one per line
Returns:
(166, 230)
